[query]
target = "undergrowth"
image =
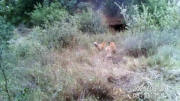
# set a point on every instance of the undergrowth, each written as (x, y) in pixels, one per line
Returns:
(58, 61)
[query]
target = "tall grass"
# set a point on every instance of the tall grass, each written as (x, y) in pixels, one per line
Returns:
(59, 62)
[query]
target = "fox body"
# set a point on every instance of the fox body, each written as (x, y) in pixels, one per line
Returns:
(100, 46)
(110, 49)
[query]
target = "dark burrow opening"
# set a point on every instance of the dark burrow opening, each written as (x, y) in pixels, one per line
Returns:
(118, 27)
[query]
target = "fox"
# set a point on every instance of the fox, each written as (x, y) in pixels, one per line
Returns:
(100, 46)
(110, 49)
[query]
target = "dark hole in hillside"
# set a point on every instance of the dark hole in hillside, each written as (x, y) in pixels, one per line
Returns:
(118, 27)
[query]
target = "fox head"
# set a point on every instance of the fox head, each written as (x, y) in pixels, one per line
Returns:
(103, 44)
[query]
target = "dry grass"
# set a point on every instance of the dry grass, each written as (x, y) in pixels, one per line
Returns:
(87, 68)
(84, 73)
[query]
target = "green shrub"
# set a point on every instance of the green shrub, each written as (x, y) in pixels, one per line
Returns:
(90, 22)
(23, 8)
(48, 13)
(163, 18)
(17, 11)
(6, 31)
(151, 4)
(6, 70)
(27, 48)
(147, 43)
(169, 19)
(167, 56)
(58, 35)
(5, 10)
(137, 21)
(23, 62)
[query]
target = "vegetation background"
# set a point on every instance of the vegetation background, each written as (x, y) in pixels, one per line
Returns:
(47, 52)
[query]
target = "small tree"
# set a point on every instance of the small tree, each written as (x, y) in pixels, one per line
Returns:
(17, 11)
(6, 31)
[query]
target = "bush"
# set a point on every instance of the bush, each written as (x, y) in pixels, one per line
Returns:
(48, 13)
(90, 22)
(23, 8)
(59, 27)
(27, 48)
(169, 19)
(6, 70)
(164, 18)
(5, 10)
(147, 43)
(58, 35)
(151, 4)
(166, 56)
(17, 11)
(22, 64)
(6, 31)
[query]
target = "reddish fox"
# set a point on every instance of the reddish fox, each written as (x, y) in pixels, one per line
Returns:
(100, 46)
(111, 48)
